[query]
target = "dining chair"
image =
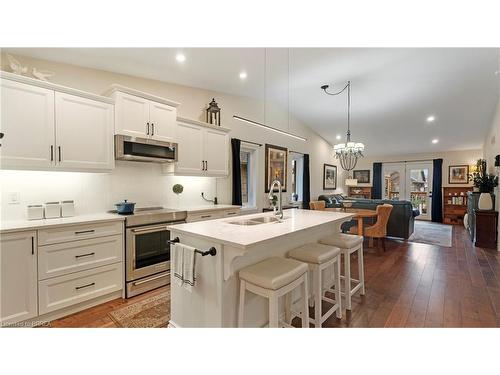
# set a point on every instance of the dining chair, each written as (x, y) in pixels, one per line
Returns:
(317, 205)
(379, 229)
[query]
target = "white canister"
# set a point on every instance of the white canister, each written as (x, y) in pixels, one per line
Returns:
(35, 212)
(52, 210)
(485, 202)
(67, 208)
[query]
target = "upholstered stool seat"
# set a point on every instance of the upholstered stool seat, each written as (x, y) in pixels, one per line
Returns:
(314, 253)
(349, 244)
(342, 240)
(321, 257)
(273, 273)
(273, 278)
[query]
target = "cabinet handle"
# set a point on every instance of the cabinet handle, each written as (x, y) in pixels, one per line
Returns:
(152, 129)
(59, 148)
(85, 231)
(84, 286)
(84, 255)
(203, 165)
(205, 216)
(206, 165)
(147, 128)
(51, 152)
(32, 245)
(231, 213)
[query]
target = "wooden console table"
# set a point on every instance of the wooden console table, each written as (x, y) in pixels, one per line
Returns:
(486, 229)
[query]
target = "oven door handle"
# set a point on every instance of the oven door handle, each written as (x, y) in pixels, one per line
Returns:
(149, 229)
(150, 279)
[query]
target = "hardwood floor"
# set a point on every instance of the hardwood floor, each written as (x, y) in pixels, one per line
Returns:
(410, 285)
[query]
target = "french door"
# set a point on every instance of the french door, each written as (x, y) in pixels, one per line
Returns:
(410, 181)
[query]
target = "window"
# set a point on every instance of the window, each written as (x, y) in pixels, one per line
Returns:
(297, 177)
(245, 175)
(248, 160)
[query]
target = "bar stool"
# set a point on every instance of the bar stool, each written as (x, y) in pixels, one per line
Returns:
(319, 258)
(272, 279)
(349, 244)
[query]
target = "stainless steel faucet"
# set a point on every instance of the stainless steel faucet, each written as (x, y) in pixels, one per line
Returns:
(278, 212)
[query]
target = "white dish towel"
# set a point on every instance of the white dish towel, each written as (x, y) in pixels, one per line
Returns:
(189, 267)
(177, 265)
(184, 265)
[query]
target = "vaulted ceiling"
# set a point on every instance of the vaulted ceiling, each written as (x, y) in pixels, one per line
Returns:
(394, 90)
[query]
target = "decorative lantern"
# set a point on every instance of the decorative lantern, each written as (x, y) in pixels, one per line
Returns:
(213, 113)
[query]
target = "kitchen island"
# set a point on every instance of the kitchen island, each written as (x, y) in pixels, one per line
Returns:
(239, 242)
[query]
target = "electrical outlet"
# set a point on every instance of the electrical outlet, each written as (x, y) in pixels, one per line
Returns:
(13, 197)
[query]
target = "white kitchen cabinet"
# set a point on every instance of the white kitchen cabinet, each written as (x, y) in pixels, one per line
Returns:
(52, 127)
(84, 133)
(162, 118)
(27, 122)
(216, 152)
(139, 114)
(203, 150)
(18, 277)
(189, 137)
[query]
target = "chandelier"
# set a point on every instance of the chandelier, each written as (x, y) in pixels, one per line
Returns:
(349, 152)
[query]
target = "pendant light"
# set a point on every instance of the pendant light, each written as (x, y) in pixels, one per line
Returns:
(349, 152)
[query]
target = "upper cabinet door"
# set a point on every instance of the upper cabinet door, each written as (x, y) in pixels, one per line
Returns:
(84, 133)
(18, 277)
(132, 115)
(216, 152)
(27, 122)
(162, 119)
(190, 153)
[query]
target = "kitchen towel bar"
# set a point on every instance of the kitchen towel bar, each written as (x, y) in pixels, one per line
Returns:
(212, 251)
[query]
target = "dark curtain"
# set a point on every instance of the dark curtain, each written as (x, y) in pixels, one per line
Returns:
(377, 181)
(437, 196)
(236, 175)
(306, 184)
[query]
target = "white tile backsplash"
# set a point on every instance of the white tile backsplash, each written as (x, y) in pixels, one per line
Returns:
(142, 183)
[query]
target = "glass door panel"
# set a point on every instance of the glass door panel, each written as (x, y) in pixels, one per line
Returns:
(394, 181)
(418, 186)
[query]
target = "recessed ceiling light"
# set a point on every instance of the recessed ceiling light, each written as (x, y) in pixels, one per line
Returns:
(243, 75)
(338, 137)
(435, 140)
(431, 119)
(180, 57)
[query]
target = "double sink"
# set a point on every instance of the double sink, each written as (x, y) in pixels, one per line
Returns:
(258, 221)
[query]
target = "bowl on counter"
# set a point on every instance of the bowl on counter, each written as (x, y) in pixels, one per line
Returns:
(125, 208)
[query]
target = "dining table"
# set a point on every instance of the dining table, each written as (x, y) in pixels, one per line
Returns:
(360, 214)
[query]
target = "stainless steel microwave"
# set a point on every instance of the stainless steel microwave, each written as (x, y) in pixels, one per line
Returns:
(144, 149)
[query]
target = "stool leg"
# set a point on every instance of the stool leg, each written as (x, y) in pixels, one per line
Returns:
(338, 299)
(318, 294)
(305, 296)
(288, 308)
(241, 308)
(361, 270)
(347, 279)
(273, 311)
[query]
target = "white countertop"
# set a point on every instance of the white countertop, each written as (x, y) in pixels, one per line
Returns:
(208, 207)
(18, 225)
(242, 236)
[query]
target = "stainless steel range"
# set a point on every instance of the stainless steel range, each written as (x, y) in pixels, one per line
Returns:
(147, 252)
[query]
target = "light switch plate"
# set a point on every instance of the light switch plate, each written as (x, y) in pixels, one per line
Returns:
(13, 197)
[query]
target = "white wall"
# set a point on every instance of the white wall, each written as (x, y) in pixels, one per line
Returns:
(144, 184)
(491, 149)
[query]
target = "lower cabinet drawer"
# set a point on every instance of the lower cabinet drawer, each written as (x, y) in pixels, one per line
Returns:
(78, 232)
(204, 216)
(61, 259)
(68, 290)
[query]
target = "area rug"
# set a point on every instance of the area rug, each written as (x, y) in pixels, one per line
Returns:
(432, 233)
(152, 312)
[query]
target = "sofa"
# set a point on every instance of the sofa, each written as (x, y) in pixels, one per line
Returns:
(401, 222)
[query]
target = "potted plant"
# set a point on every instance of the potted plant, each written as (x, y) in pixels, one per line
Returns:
(486, 183)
